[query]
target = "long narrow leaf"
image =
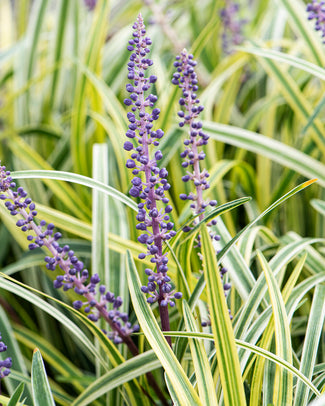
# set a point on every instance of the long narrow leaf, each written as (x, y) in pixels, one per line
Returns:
(202, 368)
(75, 178)
(125, 372)
(259, 217)
(15, 398)
(256, 350)
(283, 380)
(149, 325)
(228, 362)
(109, 348)
(277, 151)
(289, 59)
(224, 208)
(311, 343)
(42, 395)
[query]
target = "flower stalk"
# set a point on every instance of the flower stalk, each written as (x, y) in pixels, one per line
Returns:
(75, 275)
(150, 186)
(232, 26)
(186, 79)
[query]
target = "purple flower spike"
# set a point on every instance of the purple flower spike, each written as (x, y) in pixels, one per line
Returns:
(151, 187)
(232, 26)
(185, 78)
(316, 11)
(75, 275)
(5, 364)
(90, 4)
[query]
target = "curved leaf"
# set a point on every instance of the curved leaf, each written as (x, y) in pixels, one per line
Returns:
(202, 368)
(125, 372)
(228, 362)
(311, 343)
(283, 380)
(15, 398)
(149, 325)
(42, 395)
(277, 151)
(256, 350)
(75, 178)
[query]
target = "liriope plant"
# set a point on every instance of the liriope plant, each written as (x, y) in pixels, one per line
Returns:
(269, 272)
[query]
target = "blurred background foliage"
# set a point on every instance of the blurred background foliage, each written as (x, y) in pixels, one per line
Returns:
(62, 84)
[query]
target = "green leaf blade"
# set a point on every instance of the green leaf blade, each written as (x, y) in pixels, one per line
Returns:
(42, 395)
(228, 362)
(311, 343)
(283, 396)
(149, 325)
(202, 367)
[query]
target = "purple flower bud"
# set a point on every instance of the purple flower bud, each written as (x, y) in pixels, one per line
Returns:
(158, 155)
(57, 236)
(118, 302)
(128, 146)
(143, 238)
(130, 134)
(159, 133)
(154, 250)
(134, 191)
(163, 173)
(95, 279)
(155, 112)
(130, 163)
(153, 213)
(151, 286)
(77, 304)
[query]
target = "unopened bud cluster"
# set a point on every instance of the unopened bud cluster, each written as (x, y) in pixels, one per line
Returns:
(5, 364)
(186, 79)
(316, 11)
(149, 182)
(232, 26)
(75, 275)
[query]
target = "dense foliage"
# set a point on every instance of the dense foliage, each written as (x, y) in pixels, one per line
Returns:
(140, 137)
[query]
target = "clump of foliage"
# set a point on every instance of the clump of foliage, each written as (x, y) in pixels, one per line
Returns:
(180, 167)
